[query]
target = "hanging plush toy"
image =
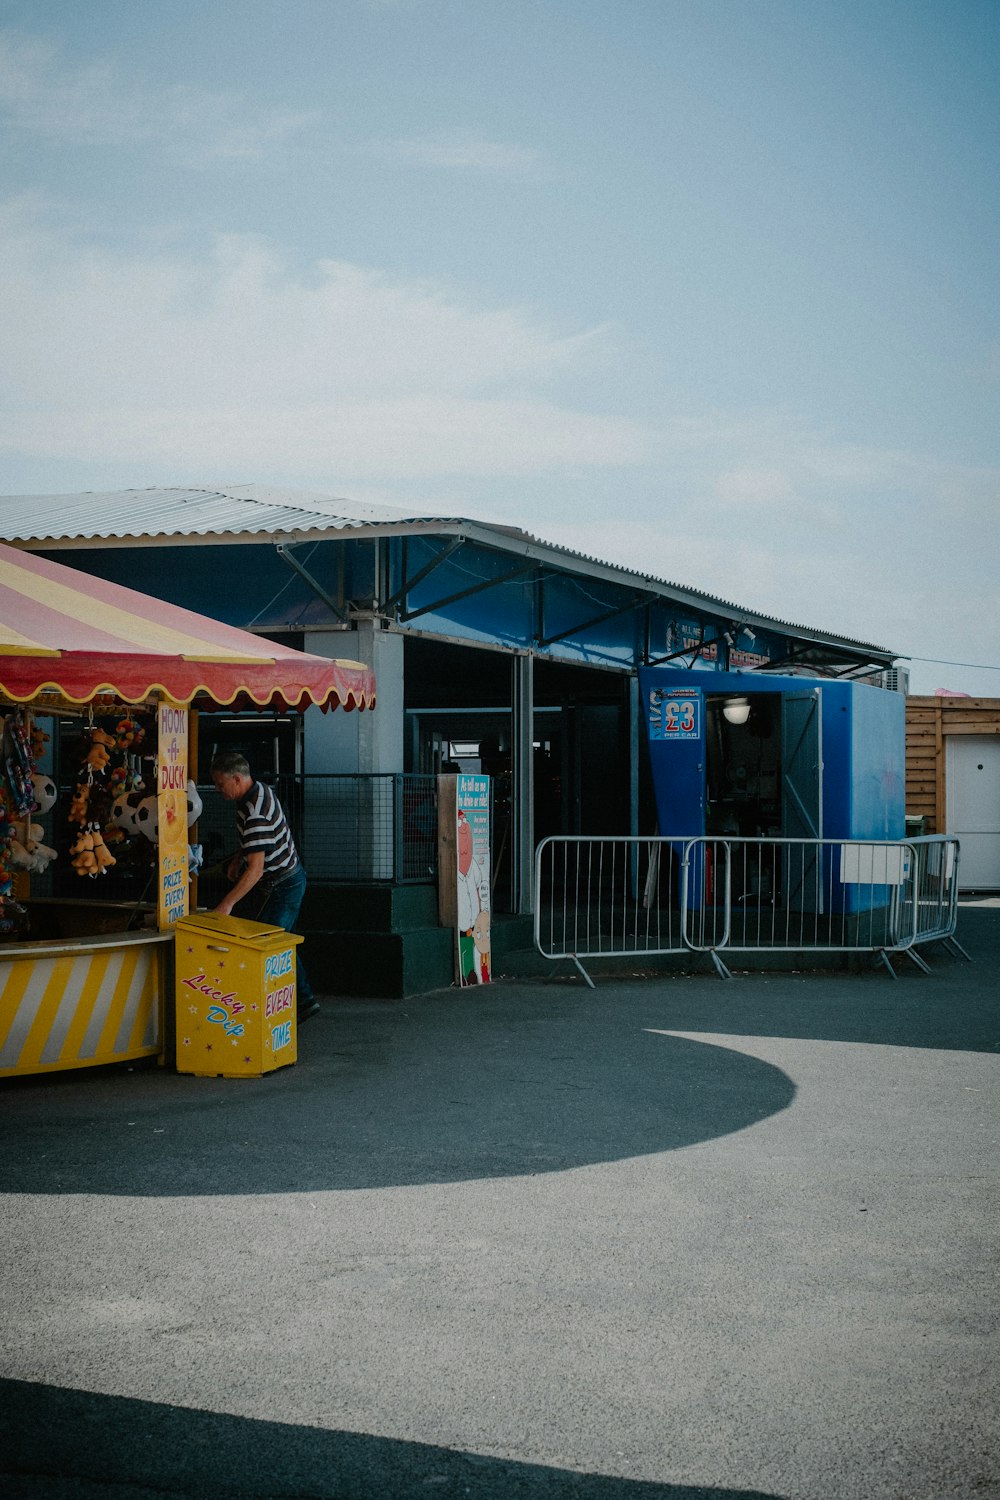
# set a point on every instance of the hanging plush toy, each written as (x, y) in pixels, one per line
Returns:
(8, 833)
(97, 755)
(90, 855)
(78, 806)
(18, 762)
(129, 733)
(133, 780)
(39, 739)
(105, 859)
(81, 855)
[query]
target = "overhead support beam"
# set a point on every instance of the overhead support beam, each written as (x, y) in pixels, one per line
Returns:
(838, 663)
(286, 555)
(611, 614)
(523, 767)
(409, 583)
(695, 651)
(477, 588)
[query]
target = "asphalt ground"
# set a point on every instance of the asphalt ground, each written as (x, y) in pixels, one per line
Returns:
(675, 1237)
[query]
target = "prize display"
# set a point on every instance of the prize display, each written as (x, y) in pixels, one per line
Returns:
(94, 814)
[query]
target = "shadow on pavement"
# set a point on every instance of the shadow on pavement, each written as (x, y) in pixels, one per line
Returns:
(954, 1008)
(511, 1080)
(62, 1443)
(445, 1089)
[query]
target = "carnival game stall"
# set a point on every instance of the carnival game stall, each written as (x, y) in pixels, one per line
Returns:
(83, 980)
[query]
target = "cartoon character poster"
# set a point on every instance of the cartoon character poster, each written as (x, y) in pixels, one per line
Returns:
(473, 912)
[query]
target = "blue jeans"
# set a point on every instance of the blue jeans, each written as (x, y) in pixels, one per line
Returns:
(281, 907)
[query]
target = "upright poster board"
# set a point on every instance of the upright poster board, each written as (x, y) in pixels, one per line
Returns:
(171, 797)
(464, 872)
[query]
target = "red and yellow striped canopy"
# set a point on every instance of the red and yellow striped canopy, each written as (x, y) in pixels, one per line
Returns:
(68, 635)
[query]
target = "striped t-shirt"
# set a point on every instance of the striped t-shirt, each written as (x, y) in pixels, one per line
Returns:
(261, 825)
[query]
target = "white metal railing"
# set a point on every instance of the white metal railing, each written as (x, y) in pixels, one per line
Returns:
(643, 897)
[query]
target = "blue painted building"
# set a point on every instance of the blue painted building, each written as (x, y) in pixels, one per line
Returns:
(489, 645)
(764, 755)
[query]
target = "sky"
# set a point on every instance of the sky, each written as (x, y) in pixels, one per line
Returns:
(707, 288)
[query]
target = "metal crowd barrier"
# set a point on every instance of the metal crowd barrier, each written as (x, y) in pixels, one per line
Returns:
(632, 898)
(606, 898)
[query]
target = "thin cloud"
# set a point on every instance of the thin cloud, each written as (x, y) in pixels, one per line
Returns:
(99, 104)
(407, 438)
(462, 154)
(237, 360)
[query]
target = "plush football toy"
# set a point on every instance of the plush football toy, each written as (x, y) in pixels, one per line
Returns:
(147, 819)
(123, 813)
(45, 791)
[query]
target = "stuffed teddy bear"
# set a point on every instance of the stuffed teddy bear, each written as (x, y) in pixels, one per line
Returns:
(32, 855)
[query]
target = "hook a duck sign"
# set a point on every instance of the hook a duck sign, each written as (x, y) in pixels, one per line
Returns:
(172, 814)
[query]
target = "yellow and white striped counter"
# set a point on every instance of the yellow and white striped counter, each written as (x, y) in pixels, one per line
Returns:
(80, 1002)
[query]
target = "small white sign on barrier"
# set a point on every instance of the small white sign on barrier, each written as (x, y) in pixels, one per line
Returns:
(874, 864)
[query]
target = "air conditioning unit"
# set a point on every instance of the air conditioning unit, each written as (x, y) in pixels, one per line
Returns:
(896, 679)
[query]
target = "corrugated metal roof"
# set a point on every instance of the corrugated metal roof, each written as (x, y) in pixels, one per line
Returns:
(273, 512)
(174, 512)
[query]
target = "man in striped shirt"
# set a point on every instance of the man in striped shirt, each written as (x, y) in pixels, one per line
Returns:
(267, 859)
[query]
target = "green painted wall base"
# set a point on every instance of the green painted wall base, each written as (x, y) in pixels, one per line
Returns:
(384, 942)
(377, 942)
(379, 965)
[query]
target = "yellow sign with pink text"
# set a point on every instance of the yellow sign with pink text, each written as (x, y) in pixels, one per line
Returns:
(235, 996)
(171, 810)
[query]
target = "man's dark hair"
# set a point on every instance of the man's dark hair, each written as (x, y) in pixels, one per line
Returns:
(231, 763)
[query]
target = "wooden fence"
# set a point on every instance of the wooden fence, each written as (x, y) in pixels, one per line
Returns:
(929, 722)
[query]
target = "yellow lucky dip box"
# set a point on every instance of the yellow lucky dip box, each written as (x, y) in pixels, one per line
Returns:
(235, 997)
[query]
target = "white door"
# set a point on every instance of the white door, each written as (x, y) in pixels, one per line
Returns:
(972, 768)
